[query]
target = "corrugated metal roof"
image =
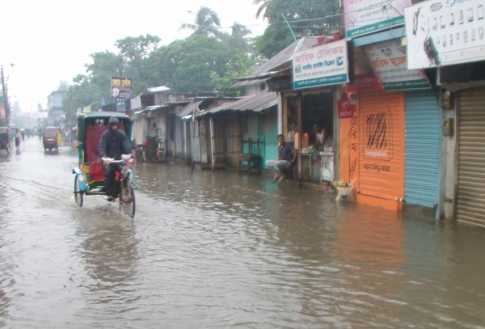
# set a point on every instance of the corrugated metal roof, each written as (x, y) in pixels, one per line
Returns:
(255, 103)
(251, 82)
(189, 109)
(153, 108)
(150, 109)
(159, 89)
(284, 56)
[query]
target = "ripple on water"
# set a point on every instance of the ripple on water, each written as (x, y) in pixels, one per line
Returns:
(217, 250)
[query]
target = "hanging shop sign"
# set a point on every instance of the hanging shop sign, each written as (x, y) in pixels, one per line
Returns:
(444, 32)
(347, 104)
(389, 62)
(368, 16)
(121, 92)
(325, 65)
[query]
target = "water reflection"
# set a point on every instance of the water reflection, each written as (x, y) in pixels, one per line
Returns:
(108, 250)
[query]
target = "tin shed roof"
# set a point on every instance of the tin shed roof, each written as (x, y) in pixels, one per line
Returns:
(255, 103)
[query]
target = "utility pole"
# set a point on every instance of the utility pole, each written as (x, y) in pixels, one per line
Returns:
(293, 35)
(5, 96)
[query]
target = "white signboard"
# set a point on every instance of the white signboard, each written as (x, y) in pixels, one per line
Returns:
(389, 63)
(323, 65)
(445, 32)
(368, 16)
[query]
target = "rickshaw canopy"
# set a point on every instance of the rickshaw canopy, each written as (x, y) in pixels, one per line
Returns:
(90, 128)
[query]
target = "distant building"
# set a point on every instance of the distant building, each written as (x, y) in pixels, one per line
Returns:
(54, 106)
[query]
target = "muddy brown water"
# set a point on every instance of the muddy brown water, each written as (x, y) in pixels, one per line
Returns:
(219, 250)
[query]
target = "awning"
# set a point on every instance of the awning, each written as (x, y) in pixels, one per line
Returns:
(365, 40)
(255, 103)
(249, 81)
(188, 110)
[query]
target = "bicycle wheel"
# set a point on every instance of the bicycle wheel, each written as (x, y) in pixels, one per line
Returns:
(128, 201)
(78, 195)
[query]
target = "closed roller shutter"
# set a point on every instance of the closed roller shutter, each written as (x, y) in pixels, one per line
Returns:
(471, 157)
(423, 149)
(381, 160)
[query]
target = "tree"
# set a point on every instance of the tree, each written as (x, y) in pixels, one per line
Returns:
(262, 7)
(137, 48)
(135, 53)
(188, 65)
(206, 61)
(306, 18)
(207, 23)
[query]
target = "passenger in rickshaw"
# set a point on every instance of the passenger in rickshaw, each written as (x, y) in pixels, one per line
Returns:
(113, 144)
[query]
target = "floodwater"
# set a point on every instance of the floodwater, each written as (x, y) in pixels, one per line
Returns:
(219, 250)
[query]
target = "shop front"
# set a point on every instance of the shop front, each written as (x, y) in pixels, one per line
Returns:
(455, 50)
(381, 144)
(309, 110)
(372, 144)
(309, 125)
(391, 144)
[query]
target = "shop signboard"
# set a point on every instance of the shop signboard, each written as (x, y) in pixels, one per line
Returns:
(121, 92)
(389, 62)
(369, 16)
(444, 32)
(324, 65)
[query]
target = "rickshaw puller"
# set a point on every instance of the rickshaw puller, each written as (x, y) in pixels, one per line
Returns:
(114, 143)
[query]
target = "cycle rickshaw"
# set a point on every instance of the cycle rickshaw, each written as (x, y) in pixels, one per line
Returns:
(89, 177)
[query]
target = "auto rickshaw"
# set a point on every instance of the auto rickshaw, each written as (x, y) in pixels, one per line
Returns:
(89, 177)
(52, 139)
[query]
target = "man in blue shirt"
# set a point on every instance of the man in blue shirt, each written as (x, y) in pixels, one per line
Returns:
(286, 158)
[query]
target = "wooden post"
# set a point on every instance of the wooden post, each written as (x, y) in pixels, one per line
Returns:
(212, 142)
(300, 131)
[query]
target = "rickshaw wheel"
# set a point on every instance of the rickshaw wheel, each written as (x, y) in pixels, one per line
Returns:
(78, 195)
(127, 201)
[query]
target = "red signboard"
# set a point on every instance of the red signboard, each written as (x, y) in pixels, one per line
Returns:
(345, 109)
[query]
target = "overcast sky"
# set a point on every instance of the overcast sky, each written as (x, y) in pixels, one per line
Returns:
(50, 40)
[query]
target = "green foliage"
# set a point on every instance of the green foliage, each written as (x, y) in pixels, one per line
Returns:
(207, 61)
(276, 37)
(306, 17)
(207, 23)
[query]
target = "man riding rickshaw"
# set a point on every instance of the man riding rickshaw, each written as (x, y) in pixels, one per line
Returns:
(105, 159)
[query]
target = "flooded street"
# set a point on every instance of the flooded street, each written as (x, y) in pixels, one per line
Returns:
(219, 250)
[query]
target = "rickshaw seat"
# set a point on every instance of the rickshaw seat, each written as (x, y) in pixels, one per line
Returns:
(93, 137)
(94, 132)
(96, 171)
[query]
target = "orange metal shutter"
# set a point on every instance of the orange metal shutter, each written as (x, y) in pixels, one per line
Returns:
(381, 149)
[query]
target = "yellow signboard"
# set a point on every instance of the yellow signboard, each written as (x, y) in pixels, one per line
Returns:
(121, 83)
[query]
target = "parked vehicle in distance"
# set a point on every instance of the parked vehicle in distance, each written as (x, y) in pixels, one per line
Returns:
(51, 139)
